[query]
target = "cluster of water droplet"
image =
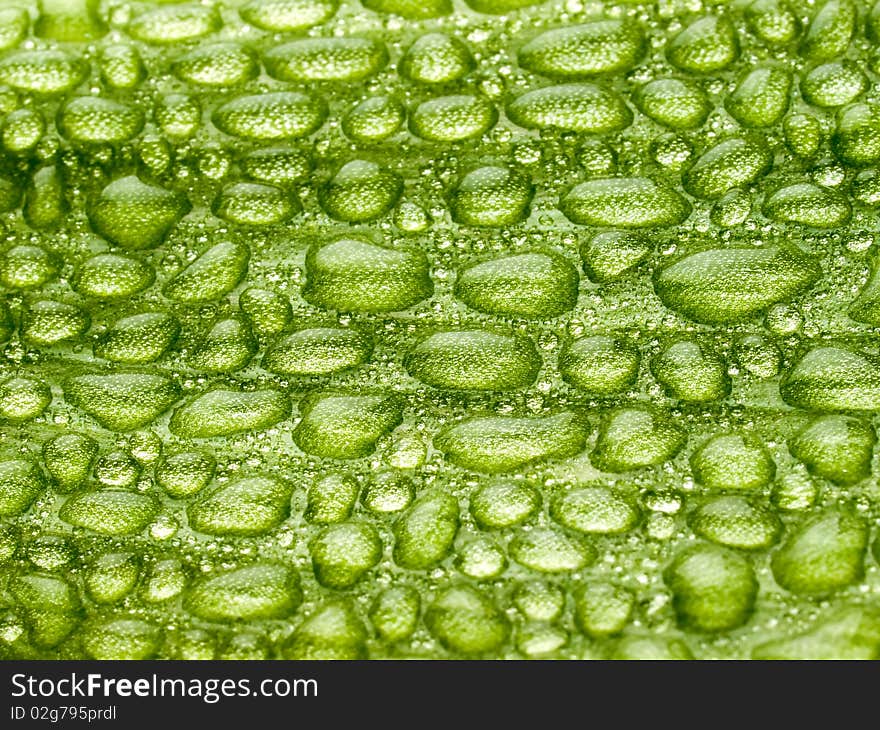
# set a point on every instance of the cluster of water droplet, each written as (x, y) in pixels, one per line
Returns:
(421, 329)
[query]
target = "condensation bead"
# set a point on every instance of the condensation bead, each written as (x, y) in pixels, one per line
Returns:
(547, 551)
(331, 499)
(436, 58)
(611, 255)
(154, 152)
(360, 191)
(186, 473)
(45, 73)
(261, 591)
(334, 632)
(122, 401)
(691, 373)
(326, 59)
(21, 131)
(671, 151)
(505, 443)
(713, 589)
(374, 119)
(539, 600)
(603, 609)
(343, 554)
(255, 204)
(596, 158)
(707, 45)
(838, 448)
(68, 458)
(583, 108)
(138, 338)
(866, 306)
(122, 67)
(856, 141)
(730, 164)
(425, 533)
(175, 24)
(388, 493)
(727, 285)
(757, 356)
(830, 30)
(14, 23)
(600, 365)
(112, 276)
(595, 511)
(271, 117)
(112, 512)
(492, 196)
(111, 577)
(624, 202)
(277, 165)
(481, 560)
(215, 273)
(536, 285)
(179, 115)
(674, 103)
(761, 97)
(600, 47)
(21, 482)
(733, 462)
(228, 346)
(50, 605)
(94, 120)
(47, 322)
(832, 378)
(732, 209)
(474, 360)
(803, 134)
(267, 311)
(865, 188)
(318, 351)
(217, 65)
(833, 84)
(773, 21)
(121, 639)
(247, 507)
(284, 16)
(809, 205)
(45, 202)
(635, 437)
(735, 522)
(395, 613)
(504, 504)
(363, 418)
(135, 214)
(824, 554)
(453, 118)
(23, 399)
(466, 621)
(117, 469)
(354, 275)
(28, 267)
(223, 412)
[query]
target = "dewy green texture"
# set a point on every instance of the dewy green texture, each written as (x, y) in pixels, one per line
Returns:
(439, 329)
